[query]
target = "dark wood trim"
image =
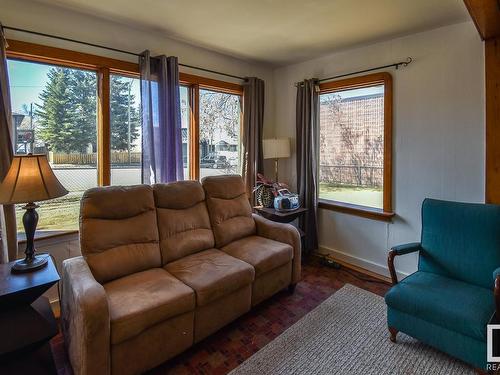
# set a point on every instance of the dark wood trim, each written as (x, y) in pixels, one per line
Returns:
(486, 17)
(384, 78)
(353, 209)
(103, 128)
(492, 81)
(390, 264)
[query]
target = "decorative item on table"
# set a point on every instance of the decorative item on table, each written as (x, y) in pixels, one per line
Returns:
(276, 148)
(30, 179)
(286, 201)
(266, 190)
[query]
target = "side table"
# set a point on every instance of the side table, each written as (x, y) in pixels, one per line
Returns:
(281, 216)
(27, 322)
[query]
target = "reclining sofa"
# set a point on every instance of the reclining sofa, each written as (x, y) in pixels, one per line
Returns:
(165, 266)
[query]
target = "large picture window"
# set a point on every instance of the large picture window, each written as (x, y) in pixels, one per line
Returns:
(355, 145)
(83, 111)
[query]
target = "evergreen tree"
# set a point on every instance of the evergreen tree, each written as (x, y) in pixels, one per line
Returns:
(83, 92)
(56, 113)
(123, 110)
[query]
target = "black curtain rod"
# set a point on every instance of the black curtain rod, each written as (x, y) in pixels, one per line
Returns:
(114, 49)
(395, 65)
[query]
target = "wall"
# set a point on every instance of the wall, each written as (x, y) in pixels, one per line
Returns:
(438, 145)
(51, 20)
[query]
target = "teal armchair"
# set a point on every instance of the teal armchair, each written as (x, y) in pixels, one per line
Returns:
(455, 292)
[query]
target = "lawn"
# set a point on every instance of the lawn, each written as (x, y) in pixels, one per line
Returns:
(56, 214)
(363, 196)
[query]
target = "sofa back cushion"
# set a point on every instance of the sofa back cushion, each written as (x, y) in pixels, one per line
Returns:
(183, 223)
(118, 231)
(229, 209)
(461, 240)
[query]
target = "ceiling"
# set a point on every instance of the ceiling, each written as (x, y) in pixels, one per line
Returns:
(276, 32)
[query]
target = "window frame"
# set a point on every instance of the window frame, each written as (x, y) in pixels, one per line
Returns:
(104, 67)
(383, 78)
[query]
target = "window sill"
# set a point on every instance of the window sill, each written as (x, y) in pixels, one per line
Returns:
(353, 209)
(45, 234)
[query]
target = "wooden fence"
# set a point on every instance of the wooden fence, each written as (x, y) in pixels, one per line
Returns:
(352, 175)
(117, 157)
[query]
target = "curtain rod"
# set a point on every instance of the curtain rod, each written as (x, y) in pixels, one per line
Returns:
(113, 49)
(395, 65)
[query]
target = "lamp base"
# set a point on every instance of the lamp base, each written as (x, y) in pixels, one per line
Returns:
(27, 265)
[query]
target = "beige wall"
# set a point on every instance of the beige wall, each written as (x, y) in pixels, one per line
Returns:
(438, 146)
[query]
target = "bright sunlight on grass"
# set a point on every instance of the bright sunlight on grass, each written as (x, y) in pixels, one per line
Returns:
(362, 196)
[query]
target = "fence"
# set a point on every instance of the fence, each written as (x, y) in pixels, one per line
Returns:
(117, 158)
(352, 175)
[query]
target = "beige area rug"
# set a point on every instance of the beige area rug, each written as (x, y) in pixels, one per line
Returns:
(347, 334)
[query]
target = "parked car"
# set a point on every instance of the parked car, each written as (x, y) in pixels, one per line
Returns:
(214, 161)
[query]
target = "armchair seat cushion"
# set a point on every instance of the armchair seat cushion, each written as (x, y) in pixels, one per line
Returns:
(143, 299)
(212, 274)
(262, 253)
(449, 303)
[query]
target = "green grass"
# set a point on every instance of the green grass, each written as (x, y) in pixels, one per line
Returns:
(56, 214)
(360, 195)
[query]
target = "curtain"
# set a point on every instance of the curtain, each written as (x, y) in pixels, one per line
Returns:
(307, 136)
(161, 119)
(8, 230)
(253, 123)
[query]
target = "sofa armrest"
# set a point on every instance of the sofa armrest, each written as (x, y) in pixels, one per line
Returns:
(400, 250)
(85, 319)
(285, 233)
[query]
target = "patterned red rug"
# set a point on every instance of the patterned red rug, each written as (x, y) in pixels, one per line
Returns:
(226, 349)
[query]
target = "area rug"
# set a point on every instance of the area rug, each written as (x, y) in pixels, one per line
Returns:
(347, 334)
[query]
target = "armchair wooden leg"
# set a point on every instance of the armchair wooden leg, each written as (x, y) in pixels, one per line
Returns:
(393, 333)
(291, 288)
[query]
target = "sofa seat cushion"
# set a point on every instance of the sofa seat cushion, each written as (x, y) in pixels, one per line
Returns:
(212, 274)
(449, 303)
(262, 253)
(143, 299)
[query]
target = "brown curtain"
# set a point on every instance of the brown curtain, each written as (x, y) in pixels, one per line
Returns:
(307, 135)
(8, 235)
(253, 124)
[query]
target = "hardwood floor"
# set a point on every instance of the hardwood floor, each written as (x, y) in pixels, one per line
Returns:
(226, 349)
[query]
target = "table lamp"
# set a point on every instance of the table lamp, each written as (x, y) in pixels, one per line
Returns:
(276, 148)
(30, 179)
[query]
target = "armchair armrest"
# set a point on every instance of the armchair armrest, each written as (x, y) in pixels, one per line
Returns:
(285, 233)
(85, 319)
(400, 250)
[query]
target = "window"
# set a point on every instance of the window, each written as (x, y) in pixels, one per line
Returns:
(83, 111)
(54, 112)
(220, 117)
(125, 129)
(355, 145)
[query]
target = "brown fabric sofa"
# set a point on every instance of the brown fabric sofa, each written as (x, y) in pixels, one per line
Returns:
(163, 267)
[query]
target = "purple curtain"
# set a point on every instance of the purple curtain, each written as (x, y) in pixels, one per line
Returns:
(161, 119)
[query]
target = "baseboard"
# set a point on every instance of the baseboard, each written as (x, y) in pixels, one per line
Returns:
(359, 264)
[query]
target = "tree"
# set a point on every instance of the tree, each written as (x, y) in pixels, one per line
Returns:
(56, 114)
(219, 114)
(124, 115)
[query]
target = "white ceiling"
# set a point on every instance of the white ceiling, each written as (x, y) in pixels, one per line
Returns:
(277, 32)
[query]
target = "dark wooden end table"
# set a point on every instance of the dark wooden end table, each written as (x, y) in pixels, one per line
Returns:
(281, 216)
(27, 322)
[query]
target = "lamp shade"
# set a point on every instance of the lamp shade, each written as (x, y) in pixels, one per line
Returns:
(276, 148)
(30, 179)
